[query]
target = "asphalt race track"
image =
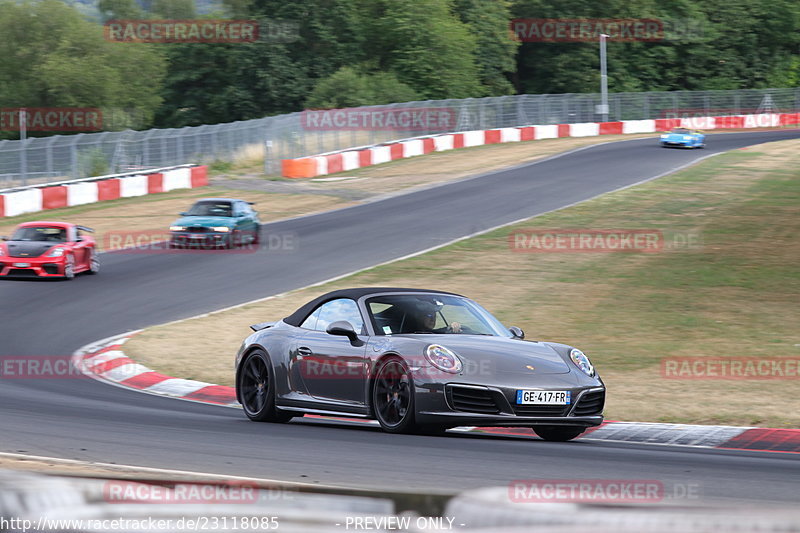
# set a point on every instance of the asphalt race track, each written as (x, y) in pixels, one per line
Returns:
(87, 420)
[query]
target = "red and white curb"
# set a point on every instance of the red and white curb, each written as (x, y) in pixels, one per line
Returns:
(22, 200)
(106, 361)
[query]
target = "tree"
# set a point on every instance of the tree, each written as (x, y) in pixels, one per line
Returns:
(425, 45)
(119, 9)
(174, 9)
(496, 46)
(349, 88)
(52, 57)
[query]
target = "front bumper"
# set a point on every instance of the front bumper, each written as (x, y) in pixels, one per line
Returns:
(470, 404)
(199, 240)
(31, 267)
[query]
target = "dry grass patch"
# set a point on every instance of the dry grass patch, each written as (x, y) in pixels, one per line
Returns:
(734, 293)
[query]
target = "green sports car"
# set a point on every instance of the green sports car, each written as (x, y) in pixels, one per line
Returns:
(216, 223)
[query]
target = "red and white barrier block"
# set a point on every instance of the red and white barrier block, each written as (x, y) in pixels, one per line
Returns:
(19, 201)
(341, 161)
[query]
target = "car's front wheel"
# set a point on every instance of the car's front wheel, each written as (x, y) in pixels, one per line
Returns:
(558, 433)
(69, 267)
(94, 263)
(255, 385)
(393, 396)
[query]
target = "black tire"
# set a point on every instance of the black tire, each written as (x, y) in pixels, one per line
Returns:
(94, 264)
(393, 397)
(69, 268)
(255, 388)
(558, 433)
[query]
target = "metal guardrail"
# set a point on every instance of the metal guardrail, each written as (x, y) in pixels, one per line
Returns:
(42, 159)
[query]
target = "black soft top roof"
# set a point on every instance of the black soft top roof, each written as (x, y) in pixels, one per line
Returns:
(297, 318)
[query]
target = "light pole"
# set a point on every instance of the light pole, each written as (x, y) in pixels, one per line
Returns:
(603, 107)
(23, 137)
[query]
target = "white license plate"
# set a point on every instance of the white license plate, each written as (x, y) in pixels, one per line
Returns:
(197, 236)
(543, 397)
(22, 265)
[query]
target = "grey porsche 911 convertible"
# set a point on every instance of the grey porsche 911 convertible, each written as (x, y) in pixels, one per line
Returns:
(417, 361)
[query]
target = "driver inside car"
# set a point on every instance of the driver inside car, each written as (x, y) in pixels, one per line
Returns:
(426, 319)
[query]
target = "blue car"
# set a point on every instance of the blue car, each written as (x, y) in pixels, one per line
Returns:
(216, 222)
(683, 138)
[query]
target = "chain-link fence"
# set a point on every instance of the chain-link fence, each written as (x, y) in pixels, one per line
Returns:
(43, 159)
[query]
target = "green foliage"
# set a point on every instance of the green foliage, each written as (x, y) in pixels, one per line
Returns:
(730, 44)
(52, 57)
(174, 9)
(360, 52)
(496, 47)
(349, 88)
(119, 9)
(426, 45)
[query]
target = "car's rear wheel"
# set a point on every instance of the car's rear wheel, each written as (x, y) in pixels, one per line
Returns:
(393, 397)
(69, 267)
(558, 433)
(256, 389)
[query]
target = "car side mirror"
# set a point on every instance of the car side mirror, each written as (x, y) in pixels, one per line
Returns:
(517, 332)
(343, 328)
(3, 237)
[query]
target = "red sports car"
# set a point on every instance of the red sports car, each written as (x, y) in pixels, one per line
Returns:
(48, 250)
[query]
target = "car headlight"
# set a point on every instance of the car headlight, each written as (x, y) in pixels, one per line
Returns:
(664, 136)
(55, 252)
(221, 229)
(582, 362)
(177, 228)
(443, 359)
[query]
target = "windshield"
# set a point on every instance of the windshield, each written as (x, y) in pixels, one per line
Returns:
(40, 233)
(213, 209)
(680, 130)
(431, 313)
